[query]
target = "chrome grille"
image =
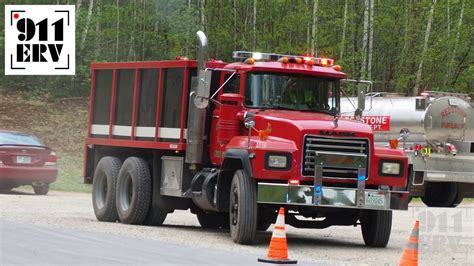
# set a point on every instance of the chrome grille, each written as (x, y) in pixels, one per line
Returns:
(337, 145)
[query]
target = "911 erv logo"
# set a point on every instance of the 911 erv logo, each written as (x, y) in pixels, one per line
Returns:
(40, 40)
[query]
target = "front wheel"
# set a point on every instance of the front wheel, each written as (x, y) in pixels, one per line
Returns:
(243, 208)
(376, 227)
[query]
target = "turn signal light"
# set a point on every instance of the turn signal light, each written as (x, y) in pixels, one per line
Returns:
(298, 60)
(337, 67)
(393, 143)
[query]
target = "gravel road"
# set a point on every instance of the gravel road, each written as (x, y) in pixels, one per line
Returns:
(446, 235)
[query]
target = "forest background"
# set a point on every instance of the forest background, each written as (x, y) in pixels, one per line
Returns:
(403, 46)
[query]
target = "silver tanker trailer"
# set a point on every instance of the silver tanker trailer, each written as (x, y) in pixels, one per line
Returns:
(436, 131)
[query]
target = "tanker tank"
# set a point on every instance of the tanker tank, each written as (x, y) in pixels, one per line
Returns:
(435, 120)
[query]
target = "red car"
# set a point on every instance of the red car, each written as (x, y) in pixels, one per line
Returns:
(24, 160)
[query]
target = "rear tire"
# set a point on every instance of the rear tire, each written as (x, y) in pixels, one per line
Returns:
(376, 227)
(243, 208)
(213, 220)
(133, 194)
(103, 189)
(440, 194)
(41, 190)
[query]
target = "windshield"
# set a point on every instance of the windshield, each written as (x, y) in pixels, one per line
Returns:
(293, 92)
(19, 138)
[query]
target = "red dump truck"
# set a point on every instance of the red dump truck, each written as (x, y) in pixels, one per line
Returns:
(233, 142)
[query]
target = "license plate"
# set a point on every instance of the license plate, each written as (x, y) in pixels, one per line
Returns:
(374, 199)
(23, 159)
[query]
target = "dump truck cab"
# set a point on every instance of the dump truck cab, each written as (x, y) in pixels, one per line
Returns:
(233, 142)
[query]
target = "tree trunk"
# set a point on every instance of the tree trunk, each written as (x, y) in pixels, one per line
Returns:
(254, 28)
(203, 15)
(449, 22)
(86, 27)
(343, 41)
(98, 39)
(365, 40)
(425, 48)
(314, 29)
(117, 29)
(371, 38)
(456, 41)
(78, 9)
(234, 10)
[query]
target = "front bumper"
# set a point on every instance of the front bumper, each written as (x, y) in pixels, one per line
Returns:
(335, 197)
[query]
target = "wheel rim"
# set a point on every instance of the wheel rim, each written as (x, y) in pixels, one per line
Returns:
(101, 191)
(234, 206)
(126, 193)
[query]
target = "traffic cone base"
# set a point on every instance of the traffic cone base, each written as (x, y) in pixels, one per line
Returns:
(278, 249)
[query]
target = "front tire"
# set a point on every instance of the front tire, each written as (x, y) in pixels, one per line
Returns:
(440, 194)
(376, 227)
(133, 195)
(243, 208)
(103, 188)
(41, 190)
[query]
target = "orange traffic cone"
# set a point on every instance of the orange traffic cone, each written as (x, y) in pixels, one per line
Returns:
(410, 254)
(278, 250)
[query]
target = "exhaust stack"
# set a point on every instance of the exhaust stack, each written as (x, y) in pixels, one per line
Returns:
(198, 100)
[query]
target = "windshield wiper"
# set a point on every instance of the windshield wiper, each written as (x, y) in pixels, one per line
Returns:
(329, 112)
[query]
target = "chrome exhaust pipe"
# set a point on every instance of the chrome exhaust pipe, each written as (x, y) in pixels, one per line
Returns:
(196, 116)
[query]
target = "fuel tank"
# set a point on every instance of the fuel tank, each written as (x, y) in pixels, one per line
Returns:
(428, 119)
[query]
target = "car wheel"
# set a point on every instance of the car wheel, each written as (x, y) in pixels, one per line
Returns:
(41, 190)
(243, 208)
(213, 220)
(103, 189)
(376, 227)
(133, 195)
(440, 194)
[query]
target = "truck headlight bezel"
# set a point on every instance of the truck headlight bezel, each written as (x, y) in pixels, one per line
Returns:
(386, 165)
(271, 164)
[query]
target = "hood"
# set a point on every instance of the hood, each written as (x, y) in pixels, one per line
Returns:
(288, 124)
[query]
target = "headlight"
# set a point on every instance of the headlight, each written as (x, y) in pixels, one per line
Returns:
(390, 168)
(277, 161)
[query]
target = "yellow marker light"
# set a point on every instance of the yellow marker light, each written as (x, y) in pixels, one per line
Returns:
(298, 60)
(337, 67)
(283, 60)
(249, 61)
(324, 62)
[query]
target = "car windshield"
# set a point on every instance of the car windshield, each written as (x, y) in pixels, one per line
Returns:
(19, 138)
(292, 92)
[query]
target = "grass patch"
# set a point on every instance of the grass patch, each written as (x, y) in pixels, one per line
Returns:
(70, 173)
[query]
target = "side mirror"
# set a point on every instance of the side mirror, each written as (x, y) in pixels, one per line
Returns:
(201, 100)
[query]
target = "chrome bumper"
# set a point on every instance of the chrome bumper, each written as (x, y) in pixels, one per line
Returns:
(303, 195)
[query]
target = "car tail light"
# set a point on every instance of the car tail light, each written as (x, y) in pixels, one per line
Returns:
(52, 159)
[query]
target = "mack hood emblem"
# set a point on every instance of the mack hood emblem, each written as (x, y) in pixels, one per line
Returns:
(337, 133)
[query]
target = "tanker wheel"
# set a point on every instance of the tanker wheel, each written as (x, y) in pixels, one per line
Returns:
(133, 195)
(376, 227)
(103, 189)
(440, 194)
(243, 208)
(41, 189)
(213, 220)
